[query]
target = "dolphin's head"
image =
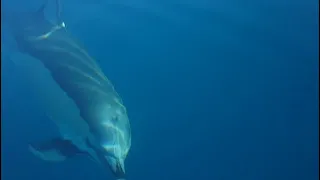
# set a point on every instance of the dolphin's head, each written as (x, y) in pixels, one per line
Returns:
(114, 137)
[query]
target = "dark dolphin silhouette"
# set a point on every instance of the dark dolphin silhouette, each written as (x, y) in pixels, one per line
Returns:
(78, 75)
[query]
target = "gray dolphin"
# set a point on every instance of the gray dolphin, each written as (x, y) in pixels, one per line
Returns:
(79, 98)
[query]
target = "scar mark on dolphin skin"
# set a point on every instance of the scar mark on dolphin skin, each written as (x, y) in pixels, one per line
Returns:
(81, 59)
(48, 34)
(85, 87)
(84, 74)
(96, 68)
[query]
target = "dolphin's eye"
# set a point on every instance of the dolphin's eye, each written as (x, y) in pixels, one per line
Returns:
(115, 118)
(121, 111)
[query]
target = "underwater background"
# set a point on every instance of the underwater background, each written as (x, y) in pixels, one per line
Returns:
(215, 90)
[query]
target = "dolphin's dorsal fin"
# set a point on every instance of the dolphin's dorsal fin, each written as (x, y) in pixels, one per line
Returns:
(58, 11)
(40, 11)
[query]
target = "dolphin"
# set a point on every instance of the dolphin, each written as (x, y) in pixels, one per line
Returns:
(76, 94)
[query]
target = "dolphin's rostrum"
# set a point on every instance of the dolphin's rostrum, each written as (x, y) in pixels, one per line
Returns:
(78, 75)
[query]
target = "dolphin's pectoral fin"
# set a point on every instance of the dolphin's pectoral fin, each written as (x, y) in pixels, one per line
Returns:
(56, 149)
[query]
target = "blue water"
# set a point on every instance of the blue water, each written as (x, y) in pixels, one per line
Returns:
(215, 90)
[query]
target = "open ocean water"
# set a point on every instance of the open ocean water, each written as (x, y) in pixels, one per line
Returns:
(215, 89)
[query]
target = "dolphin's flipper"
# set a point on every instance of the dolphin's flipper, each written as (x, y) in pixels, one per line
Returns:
(56, 149)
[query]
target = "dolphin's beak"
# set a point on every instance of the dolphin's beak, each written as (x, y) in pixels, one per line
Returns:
(119, 169)
(117, 166)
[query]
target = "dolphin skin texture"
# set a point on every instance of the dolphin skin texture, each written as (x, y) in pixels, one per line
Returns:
(76, 94)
